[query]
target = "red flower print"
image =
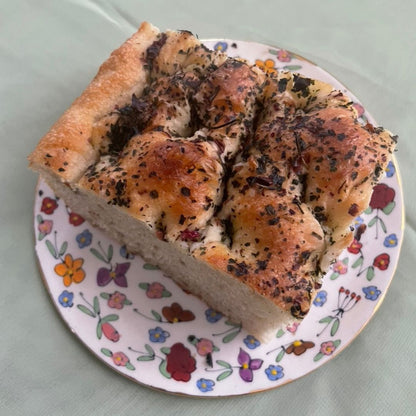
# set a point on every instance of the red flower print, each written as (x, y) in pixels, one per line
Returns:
(382, 196)
(292, 327)
(175, 313)
(204, 347)
(327, 348)
(355, 247)
(116, 300)
(120, 359)
(340, 267)
(49, 205)
(179, 362)
(110, 332)
(155, 290)
(382, 261)
(75, 219)
(45, 227)
(283, 56)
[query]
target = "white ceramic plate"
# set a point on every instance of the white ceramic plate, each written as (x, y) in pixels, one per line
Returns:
(135, 319)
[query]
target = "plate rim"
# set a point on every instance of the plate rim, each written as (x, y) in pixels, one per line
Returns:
(348, 342)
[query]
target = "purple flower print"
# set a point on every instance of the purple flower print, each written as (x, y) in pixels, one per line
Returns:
(104, 275)
(247, 365)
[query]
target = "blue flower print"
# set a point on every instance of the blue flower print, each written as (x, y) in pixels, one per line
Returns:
(320, 298)
(205, 385)
(371, 292)
(274, 372)
(358, 221)
(212, 316)
(124, 253)
(84, 239)
(390, 170)
(65, 299)
(158, 334)
(390, 241)
(221, 46)
(251, 342)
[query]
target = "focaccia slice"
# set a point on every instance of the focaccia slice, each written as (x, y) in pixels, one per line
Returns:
(240, 185)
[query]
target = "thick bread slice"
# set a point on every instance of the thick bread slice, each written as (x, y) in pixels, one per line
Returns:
(239, 185)
(218, 289)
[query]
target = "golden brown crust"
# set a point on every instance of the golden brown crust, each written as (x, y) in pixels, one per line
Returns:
(258, 176)
(182, 51)
(171, 185)
(66, 149)
(165, 176)
(294, 192)
(275, 242)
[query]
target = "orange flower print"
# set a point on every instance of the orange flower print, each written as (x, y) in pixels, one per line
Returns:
(71, 270)
(267, 66)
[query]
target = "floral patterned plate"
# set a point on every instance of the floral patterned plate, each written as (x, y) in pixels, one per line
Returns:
(135, 319)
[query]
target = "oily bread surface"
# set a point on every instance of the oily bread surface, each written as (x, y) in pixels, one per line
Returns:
(253, 179)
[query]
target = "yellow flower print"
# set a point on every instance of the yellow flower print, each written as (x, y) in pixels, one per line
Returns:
(267, 66)
(71, 270)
